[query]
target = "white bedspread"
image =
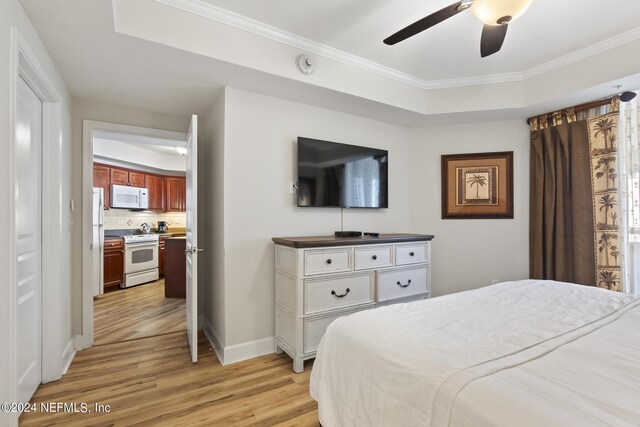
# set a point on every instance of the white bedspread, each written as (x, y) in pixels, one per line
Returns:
(526, 353)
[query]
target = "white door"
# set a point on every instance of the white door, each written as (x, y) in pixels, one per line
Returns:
(192, 237)
(28, 243)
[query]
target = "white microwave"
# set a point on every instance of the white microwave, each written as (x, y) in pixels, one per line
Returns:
(125, 197)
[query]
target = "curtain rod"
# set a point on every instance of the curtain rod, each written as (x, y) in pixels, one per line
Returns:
(578, 108)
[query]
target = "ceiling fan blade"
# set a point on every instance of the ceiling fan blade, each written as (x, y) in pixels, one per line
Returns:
(424, 23)
(492, 39)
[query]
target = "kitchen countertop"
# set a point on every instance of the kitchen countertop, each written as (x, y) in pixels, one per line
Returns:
(115, 234)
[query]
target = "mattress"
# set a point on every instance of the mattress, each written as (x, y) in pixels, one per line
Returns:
(525, 353)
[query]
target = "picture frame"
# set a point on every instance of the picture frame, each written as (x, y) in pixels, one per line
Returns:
(477, 185)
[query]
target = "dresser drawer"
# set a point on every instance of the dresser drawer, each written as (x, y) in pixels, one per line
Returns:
(409, 298)
(327, 261)
(412, 253)
(373, 257)
(401, 283)
(314, 329)
(337, 292)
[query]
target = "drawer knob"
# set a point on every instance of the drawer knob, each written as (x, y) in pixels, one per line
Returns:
(329, 261)
(340, 296)
(403, 286)
(412, 253)
(375, 257)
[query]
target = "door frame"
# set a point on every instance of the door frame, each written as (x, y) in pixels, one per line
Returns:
(88, 129)
(57, 347)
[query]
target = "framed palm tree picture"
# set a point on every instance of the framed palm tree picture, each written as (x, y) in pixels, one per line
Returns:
(477, 185)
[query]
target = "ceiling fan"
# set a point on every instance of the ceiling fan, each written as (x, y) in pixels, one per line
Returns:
(495, 14)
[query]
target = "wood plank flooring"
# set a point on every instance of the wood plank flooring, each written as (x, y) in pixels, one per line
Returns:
(141, 311)
(151, 380)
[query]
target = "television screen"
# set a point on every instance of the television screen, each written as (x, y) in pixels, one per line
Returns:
(341, 175)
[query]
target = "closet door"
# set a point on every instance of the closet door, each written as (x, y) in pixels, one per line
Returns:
(28, 240)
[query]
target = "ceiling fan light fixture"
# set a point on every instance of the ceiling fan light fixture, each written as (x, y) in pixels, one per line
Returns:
(464, 5)
(499, 12)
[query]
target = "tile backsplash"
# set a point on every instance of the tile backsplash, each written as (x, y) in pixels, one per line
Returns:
(118, 219)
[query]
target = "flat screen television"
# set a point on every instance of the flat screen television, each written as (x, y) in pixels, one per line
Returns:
(341, 175)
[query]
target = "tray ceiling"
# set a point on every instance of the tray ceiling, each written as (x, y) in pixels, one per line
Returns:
(548, 31)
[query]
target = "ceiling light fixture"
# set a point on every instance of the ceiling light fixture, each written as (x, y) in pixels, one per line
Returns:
(181, 150)
(499, 12)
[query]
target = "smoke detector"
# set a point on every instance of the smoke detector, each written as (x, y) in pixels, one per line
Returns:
(304, 64)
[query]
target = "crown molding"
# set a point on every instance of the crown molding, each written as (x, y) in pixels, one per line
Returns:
(227, 17)
(474, 80)
(233, 19)
(579, 55)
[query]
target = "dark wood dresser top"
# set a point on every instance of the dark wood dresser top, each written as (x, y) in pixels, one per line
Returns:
(328, 241)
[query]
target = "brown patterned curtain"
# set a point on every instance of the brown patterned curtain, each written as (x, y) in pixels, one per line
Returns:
(572, 198)
(603, 140)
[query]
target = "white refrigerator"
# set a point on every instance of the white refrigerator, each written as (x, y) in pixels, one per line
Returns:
(97, 245)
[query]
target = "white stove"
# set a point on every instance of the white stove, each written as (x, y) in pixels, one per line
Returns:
(140, 259)
(140, 238)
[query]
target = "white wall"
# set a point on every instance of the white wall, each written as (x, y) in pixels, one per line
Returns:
(259, 163)
(211, 268)
(13, 15)
(89, 110)
(469, 253)
(137, 154)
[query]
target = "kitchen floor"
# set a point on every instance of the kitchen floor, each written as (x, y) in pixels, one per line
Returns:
(138, 312)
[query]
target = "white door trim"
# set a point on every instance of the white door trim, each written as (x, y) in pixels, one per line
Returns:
(88, 128)
(24, 64)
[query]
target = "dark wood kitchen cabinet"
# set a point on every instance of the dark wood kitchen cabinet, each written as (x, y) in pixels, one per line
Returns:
(101, 178)
(176, 194)
(136, 179)
(155, 184)
(119, 176)
(166, 193)
(113, 262)
(127, 177)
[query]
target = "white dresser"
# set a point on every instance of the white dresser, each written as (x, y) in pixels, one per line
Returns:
(319, 279)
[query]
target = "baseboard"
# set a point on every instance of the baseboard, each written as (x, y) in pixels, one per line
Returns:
(213, 339)
(248, 350)
(238, 352)
(78, 341)
(70, 352)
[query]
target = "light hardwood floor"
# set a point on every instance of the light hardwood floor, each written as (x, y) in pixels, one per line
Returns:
(137, 312)
(151, 381)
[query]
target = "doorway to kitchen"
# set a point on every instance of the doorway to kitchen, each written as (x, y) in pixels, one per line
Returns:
(137, 231)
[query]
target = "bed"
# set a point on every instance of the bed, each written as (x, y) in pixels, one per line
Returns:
(524, 353)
